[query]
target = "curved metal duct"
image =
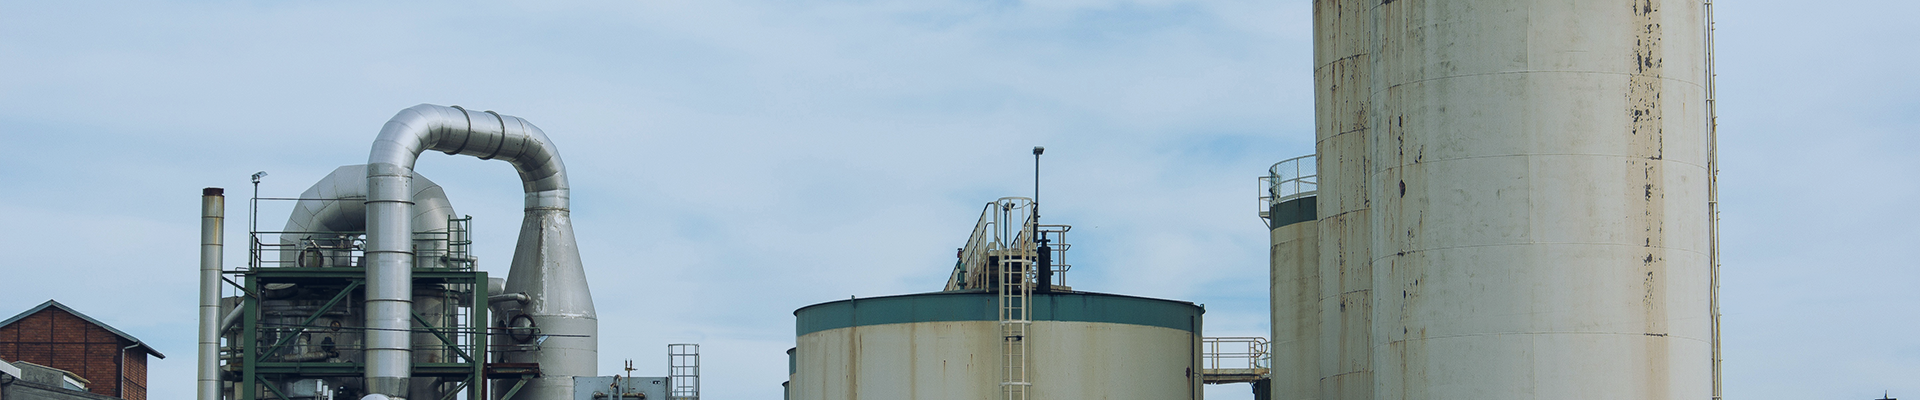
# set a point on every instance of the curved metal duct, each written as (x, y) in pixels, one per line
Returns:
(546, 263)
(337, 203)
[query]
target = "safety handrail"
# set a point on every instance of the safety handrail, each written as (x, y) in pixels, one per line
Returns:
(1235, 354)
(1289, 179)
(991, 232)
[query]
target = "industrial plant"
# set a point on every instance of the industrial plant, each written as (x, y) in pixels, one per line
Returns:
(370, 290)
(1000, 328)
(1505, 200)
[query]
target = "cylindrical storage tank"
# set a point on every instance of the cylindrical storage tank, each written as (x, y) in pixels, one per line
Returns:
(947, 345)
(1295, 262)
(786, 389)
(1343, 62)
(1539, 199)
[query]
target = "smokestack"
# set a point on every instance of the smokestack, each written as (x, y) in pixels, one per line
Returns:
(213, 214)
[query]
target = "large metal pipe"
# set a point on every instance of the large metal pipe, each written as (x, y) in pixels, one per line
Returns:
(213, 214)
(337, 204)
(546, 263)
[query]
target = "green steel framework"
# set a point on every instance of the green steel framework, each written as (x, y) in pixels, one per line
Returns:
(345, 281)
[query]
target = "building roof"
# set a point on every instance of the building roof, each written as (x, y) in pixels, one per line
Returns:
(70, 310)
(7, 368)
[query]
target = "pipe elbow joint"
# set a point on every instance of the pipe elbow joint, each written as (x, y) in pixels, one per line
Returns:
(485, 134)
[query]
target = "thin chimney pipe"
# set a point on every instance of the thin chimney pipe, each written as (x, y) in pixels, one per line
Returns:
(213, 214)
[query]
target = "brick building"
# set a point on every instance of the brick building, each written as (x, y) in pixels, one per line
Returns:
(28, 381)
(54, 335)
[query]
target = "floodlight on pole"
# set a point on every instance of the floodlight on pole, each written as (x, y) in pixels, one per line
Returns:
(253, 208)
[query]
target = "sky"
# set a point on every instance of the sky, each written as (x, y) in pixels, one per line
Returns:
(733, 160)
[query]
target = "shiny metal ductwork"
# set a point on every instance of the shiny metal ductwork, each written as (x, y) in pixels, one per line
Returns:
(337, 205)
(320, 231)
(546, 263)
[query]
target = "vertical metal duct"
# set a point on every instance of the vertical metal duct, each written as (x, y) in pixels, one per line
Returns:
(213, 215)
(337, 204)
(546, 263)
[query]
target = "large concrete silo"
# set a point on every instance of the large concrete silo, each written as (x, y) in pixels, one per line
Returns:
(1519, 191)
(1289, 209)
(1342, 53)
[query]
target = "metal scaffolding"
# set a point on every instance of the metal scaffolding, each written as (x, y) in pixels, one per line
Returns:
(295, 298)
(683, 371)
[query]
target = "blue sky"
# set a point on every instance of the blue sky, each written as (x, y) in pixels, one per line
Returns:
(735, 160)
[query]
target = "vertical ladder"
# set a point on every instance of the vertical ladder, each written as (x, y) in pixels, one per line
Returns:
(460, 242)
(683, 372)
(1015, 318)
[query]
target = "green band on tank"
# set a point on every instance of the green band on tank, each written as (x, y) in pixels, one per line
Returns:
(979, 306)
(1292, 212)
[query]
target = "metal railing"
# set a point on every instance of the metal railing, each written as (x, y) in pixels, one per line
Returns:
(452, 248)
(1235, 359)
(1002, 225)
(1289, 179)
(306, 249)
(683, 371)
(974, 254)
(997, 233)
(1056, 236)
